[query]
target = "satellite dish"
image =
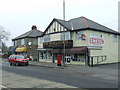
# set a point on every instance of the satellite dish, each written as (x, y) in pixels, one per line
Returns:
(29, 43)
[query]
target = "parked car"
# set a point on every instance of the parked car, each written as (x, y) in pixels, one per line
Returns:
(18, 60)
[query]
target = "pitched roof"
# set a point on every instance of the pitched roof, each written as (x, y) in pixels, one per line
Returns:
(84, 23)
(31, 34)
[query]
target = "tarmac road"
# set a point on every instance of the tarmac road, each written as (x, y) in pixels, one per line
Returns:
(67, 76)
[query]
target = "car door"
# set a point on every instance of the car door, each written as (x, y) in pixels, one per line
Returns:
(10, 58)
(14, 59)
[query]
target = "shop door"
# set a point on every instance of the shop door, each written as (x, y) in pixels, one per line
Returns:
(75, 57)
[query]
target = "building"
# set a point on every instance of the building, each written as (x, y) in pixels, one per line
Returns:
(0, 48)
(119, 29)
(79, 41)
(27, 43)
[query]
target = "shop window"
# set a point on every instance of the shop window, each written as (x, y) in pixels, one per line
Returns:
(65, 36)
(114, 38)
(79, 35)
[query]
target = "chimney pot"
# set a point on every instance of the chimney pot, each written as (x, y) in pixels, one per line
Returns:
(34, 27)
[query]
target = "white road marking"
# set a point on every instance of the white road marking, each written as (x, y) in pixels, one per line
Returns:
(2, 86)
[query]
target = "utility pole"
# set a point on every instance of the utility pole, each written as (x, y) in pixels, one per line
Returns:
(64, 32)
(63, 9)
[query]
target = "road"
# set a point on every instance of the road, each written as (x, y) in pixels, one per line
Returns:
(45, 77)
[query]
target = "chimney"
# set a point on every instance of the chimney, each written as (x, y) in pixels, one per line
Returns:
(34, 27)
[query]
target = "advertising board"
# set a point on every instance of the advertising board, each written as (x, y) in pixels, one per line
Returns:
(96, 39)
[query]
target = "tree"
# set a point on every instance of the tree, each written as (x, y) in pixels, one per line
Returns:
(4, 35)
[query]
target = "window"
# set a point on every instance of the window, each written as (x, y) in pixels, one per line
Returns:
(65, 36)
(114, 38)
(79, 35)
(11, 56)
(46, 38)
(22, 41)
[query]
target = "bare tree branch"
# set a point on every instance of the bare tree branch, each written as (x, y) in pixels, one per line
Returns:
(4, 35)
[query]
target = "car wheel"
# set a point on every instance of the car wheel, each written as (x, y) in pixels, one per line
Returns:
(11, 64)
(17, 64)
(27, 64)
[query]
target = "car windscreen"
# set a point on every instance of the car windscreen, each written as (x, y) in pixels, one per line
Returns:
(19, 57)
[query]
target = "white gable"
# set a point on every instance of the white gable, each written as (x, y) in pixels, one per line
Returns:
(55, 27)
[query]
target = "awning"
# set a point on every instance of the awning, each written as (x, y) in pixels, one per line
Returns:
(56, 51)
(21, 49)
(74, 50)
(12, 48)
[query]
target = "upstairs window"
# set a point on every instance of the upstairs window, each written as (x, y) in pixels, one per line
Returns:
(46, 38)
(65, 36)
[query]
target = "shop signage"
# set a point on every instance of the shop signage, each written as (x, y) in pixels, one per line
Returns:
(58, 44)
(96, 39)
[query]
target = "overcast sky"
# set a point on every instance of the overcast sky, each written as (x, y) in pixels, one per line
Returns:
(17, 16)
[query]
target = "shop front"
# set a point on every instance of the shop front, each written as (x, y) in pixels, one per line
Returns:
(44, 54)
(21, 50)
(74, 55)
(70, 54)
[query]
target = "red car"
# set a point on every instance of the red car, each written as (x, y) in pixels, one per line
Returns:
(18, 60)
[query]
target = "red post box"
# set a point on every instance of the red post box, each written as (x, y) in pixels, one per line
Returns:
(59, 57)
